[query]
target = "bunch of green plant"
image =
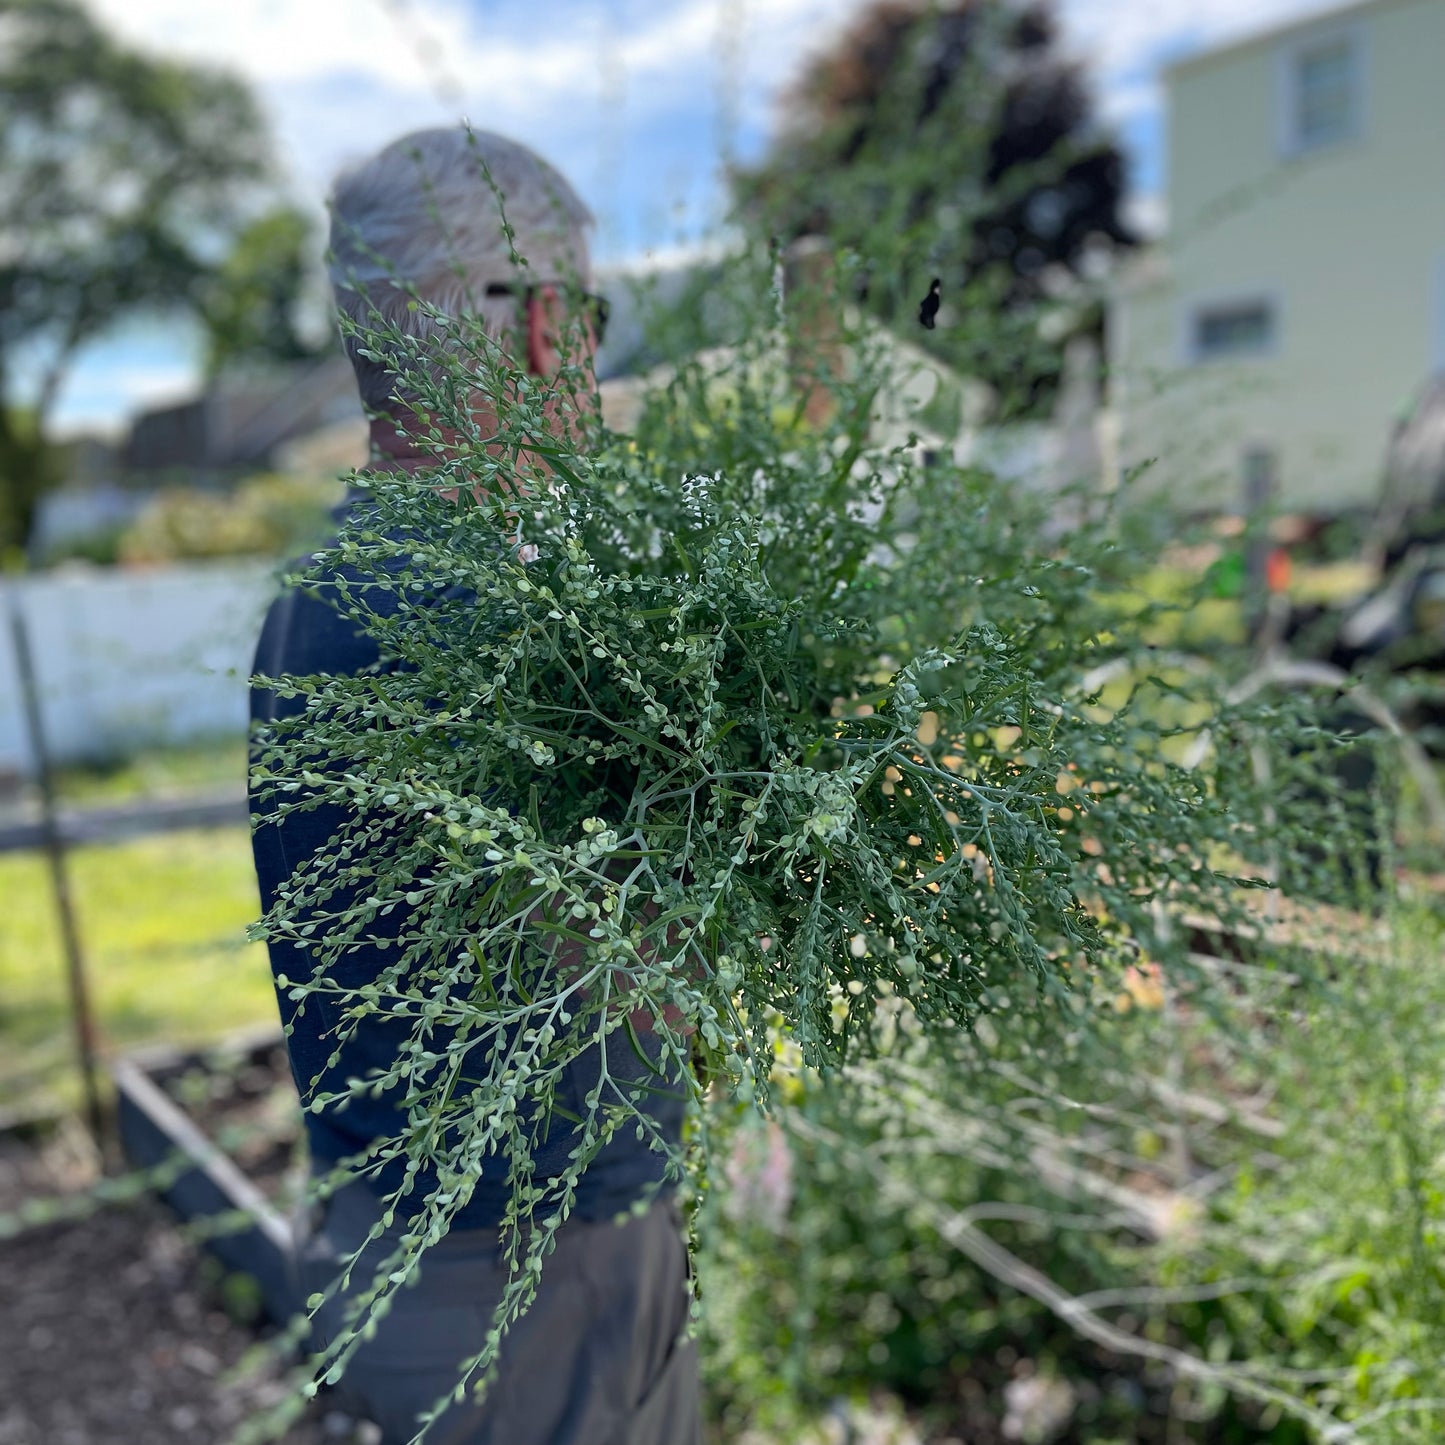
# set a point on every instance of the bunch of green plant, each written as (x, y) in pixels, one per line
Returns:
(269, 515)
(745, 725)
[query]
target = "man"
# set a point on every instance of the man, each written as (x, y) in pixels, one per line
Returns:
(600, 1357)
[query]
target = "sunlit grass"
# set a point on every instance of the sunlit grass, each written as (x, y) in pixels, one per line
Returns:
(162, 924)
(1332, 583)
(1187, 616)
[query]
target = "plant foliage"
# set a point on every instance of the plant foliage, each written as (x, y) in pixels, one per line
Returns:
(742, 733)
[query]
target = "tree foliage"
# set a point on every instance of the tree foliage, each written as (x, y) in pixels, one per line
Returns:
(122, 178)
(958, 140)
(251, 303)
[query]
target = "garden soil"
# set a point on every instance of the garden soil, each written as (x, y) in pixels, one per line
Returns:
(115, 1330)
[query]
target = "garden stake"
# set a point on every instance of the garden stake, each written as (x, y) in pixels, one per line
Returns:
(54, 845)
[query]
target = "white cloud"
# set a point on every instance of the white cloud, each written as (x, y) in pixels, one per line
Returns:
(1147, 215)
(669, 257)
(424, 47)
(339, 78)
(1127, 99)
(411, 44)
(281, 40)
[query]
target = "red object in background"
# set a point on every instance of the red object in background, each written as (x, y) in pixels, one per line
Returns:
(1277, 570)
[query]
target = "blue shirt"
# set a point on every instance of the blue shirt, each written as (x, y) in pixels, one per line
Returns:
(301, 636)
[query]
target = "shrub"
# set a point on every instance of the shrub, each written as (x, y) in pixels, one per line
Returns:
(264, 516)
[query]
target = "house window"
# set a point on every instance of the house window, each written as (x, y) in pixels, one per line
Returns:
(1322, 100)
(1236, 328)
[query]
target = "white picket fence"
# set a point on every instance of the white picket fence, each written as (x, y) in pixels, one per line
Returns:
(130, 658)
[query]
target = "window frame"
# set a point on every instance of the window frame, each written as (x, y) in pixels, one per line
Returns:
(1288, 57)
(1195, 308)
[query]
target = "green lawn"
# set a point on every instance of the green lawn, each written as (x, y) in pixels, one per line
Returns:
(162, 923)
(205, 766)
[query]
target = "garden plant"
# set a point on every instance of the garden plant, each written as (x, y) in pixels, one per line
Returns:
(766, 724)
(1063, 1055)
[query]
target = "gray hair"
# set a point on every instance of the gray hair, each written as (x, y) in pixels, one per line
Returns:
(423, 218)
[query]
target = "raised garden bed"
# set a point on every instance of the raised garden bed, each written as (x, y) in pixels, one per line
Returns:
(115, 1329)
(221, 1129)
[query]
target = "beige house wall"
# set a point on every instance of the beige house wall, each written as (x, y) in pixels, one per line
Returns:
(1346, 242)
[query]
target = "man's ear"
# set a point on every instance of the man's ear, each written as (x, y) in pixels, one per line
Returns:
(542, 358)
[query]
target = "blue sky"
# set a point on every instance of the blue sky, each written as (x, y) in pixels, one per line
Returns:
(636, 100)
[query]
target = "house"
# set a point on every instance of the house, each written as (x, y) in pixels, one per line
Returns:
(241, 420)
(1264, 350)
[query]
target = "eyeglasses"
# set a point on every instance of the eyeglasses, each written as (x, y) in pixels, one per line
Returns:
(598, 308)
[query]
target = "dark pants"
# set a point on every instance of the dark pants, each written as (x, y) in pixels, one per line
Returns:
(598, 1359)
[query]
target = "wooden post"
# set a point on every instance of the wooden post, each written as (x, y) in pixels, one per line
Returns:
(54, 847)
(816, 358)
(1259, 499)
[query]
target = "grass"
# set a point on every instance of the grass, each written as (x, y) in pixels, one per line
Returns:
(156, 773)
(162, 924)
(1208, 621)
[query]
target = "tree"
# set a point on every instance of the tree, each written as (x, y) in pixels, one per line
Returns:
(952, 140)
(251, 308)
(122, 179)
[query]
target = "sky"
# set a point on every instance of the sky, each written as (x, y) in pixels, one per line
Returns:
(639, 102)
